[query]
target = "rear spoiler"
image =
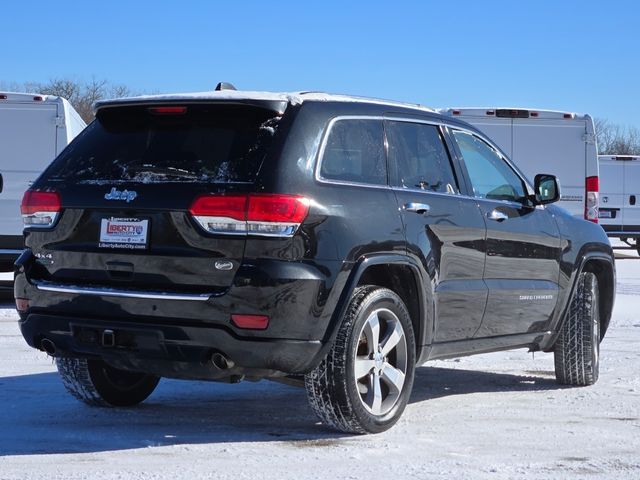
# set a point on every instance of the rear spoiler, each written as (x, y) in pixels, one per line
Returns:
(276, 106)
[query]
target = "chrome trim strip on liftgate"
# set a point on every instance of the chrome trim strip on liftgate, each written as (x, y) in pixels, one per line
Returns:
(10, 251)
(111, 292)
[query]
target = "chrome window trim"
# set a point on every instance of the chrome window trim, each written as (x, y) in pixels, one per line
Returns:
(382, 118)
(112, 292)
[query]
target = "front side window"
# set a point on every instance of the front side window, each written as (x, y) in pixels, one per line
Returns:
(491, 177)
(354, 152)
(418, 157)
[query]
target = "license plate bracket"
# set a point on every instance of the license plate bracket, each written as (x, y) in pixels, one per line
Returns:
(124, 233)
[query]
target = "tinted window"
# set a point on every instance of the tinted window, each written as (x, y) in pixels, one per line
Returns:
(490, 175)
(354, 152)
(206, 144)
(419, 158)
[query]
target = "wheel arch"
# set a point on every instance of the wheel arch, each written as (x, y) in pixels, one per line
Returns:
(604, 271)
(397, 273)
(602, 266)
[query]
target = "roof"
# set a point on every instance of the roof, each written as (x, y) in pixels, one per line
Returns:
(278, 101)
(26, 97)
(542, 113)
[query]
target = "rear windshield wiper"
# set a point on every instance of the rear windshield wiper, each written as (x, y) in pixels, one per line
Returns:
(167, 171)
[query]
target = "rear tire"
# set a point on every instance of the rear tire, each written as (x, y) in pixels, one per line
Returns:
(96, 383)
(577, 350)
(363, 384)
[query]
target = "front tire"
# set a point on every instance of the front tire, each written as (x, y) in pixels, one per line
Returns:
(96, 383)
(364, 382)
(577, 350)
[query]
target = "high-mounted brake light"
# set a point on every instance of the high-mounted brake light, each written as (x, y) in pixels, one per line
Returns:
(38, 98)
(40, 209)
(3, 96)
(592, 200)
(167, 110)
(533, 114)
(490, 112)
(456, 112)
(568, 116)
(254, 214)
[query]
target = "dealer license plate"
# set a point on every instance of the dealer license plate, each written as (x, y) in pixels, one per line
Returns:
(604, 214)
(130, 233)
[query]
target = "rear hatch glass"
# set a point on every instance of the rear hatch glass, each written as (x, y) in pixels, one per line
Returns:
(126, 185)
(193, 143)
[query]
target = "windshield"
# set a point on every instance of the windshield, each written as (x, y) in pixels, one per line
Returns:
(202, 143)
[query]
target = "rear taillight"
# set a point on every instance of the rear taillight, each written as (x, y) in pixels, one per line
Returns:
(592, 201)
(221, 213)
(22, 304)
(40, 209)
(255, 214)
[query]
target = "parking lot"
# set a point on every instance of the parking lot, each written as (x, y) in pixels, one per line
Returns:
(498, 415)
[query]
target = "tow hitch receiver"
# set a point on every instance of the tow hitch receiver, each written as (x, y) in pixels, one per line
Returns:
(108, 338)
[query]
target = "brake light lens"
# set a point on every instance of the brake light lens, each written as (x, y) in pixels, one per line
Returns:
(592, 196)
(254, 214)
(167, 110)
(40, 209)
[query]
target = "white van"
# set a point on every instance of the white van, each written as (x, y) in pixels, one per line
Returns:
(34, 129)
(560, 143)
(620, 197)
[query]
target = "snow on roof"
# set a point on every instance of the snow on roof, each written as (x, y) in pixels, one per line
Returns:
(293, 98)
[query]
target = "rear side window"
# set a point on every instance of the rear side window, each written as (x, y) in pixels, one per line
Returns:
(418, 157)
(204, 143)
(354, 152)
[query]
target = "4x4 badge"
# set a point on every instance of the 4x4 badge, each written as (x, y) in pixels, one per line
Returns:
(126, 195)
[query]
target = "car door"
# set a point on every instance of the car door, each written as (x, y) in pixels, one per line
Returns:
(444, 229)
(523, 242)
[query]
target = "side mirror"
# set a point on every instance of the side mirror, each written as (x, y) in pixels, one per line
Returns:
(547, 188)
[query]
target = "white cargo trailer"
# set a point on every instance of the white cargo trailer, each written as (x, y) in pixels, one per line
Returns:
(34, 129)
(620, 197)
(545, 141)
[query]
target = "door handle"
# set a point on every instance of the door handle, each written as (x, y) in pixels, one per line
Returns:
(497, 216)
(419, 208)
(632, 200)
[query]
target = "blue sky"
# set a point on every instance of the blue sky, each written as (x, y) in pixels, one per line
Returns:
(580, 56)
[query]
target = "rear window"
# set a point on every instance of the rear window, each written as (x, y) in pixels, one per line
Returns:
(205, 143)
(354, 152)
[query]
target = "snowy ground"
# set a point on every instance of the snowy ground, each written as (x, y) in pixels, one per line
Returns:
(495, 416)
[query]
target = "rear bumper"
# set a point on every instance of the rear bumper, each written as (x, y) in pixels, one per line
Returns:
(617, 231)
(177, 351)
(175, 334)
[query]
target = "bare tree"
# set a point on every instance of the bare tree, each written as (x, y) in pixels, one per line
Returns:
(82, 95)
(614, 139)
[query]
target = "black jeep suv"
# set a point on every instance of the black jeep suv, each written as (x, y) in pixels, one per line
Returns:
(338, 240)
